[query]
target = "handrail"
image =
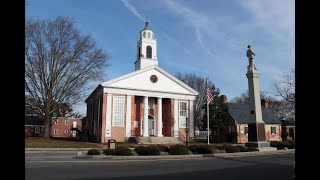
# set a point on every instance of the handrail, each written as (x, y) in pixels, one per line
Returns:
(181, 136)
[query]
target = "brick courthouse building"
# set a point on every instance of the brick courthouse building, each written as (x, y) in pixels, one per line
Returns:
(149, 102)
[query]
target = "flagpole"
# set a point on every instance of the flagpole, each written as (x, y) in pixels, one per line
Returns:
(207, 114)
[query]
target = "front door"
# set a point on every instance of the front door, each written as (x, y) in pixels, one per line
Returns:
(151, 126)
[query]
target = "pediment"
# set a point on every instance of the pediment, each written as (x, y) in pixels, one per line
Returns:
(141, 80)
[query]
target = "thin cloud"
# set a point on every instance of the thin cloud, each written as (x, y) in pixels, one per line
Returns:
(132, 9)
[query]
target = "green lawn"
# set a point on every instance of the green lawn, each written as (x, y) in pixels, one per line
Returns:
(55, 143)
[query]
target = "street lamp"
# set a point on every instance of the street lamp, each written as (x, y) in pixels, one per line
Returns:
(187, 131)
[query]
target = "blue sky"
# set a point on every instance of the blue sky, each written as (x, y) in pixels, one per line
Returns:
(205, 37)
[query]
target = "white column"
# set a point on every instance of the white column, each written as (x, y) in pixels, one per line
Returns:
(145, 117)
(108, 116)
(159, 123)
(175, 117)
(128, 117)
(191, 121)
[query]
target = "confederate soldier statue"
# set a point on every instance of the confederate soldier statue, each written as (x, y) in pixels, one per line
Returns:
(250, 55)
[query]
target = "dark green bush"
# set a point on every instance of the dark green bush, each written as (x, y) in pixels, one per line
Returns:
(249, 149)
(94, 152)
(141, 150)
(282, 144)
(231, 149)
(163, 148)
(178, 150)
(123, 151)
(109, 152)
(219, 147)
(193, 149)
(201, 149)
(242, 148)
(146, 151)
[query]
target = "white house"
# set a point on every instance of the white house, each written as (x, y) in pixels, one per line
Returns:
(148, 102)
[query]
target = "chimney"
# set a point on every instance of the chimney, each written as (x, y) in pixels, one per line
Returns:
(264, 103)
(224, 99)
(63, 113)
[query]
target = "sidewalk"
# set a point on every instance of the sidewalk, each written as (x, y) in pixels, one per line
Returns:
(192, 156)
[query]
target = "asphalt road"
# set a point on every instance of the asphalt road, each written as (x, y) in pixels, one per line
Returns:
(62, 166)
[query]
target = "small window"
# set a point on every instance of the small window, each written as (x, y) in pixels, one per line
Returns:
(148, 35)
(55, 131)
(144, 34)
(37, 129)
(66, 122)
(66, 131)
(273, 130)
(56, 121)
(246, 129)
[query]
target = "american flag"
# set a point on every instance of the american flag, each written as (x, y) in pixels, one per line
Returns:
(209, 95)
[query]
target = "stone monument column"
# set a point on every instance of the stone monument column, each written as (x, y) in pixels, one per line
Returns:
(256, 127)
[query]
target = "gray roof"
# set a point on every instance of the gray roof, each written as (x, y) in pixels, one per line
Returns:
(33, 120)
(241, 114)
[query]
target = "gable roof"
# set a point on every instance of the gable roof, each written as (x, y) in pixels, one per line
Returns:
(135, 78)
(33, 120)
(240, 113)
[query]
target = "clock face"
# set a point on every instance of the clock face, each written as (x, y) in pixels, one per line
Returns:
(154, 78)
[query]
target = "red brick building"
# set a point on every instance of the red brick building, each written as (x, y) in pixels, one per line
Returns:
(66, 127)
(240, 118)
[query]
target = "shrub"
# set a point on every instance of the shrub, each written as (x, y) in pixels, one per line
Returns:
(141, 150)
(178, 150)
(249, 149)
(193, 148)
(94, 152)
(109, 152)
(163, 148)
(242, 148)
(231, 149)
(149, 150)
(219, 147)
(281, 144)
(292, 144)
(123, 151)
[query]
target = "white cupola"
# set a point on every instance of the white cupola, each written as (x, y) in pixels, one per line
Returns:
(146, 49)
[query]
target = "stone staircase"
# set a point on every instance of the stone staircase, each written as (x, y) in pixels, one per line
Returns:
(158, 140)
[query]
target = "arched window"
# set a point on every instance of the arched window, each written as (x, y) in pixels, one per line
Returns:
(148, 35)
(144, 34)
(149, 52)
(139, 52)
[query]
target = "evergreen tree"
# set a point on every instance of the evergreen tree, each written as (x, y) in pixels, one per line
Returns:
(218, 116)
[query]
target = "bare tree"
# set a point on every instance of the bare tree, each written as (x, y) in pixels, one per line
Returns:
(59, 63)
(198, 84)
(285, 88)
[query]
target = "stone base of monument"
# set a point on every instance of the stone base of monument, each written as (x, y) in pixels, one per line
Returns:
(261, 145)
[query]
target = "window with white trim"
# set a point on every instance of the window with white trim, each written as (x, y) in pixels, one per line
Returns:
(118, 111)
(273, 130)
(66, 122)
(56, 121)
(66, 131)
(55, 131)
(183, 112)
(37, 129)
